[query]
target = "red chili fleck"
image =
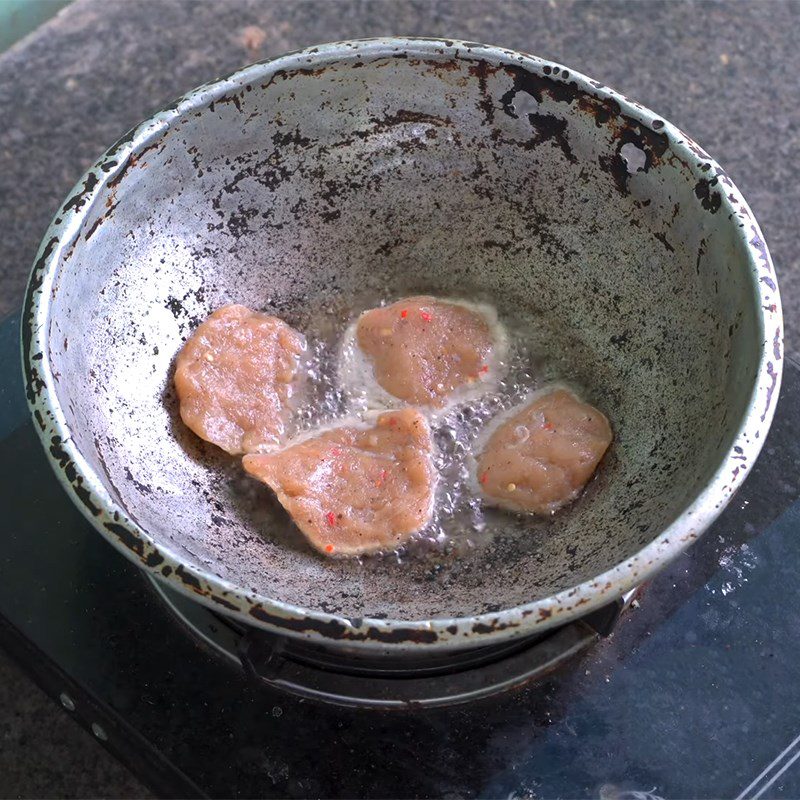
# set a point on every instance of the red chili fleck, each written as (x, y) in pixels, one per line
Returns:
(425, 315)
(484, 477)
(331, 517)
(548, 426)
(484, 368)
(328, 548)
(403, 314)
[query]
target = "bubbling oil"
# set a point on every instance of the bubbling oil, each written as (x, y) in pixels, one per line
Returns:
(340, 386)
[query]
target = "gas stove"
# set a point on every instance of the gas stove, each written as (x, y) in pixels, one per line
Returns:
(689, 689)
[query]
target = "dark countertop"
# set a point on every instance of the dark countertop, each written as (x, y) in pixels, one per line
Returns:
(727, 73)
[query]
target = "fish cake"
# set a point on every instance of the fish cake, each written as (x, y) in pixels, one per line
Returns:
(424, 351)
(355, 489)
(235, 378)
(540, 459)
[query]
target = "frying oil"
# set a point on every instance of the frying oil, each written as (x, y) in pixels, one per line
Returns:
(340, 385)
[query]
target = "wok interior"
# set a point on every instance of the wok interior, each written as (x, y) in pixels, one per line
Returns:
(386, 176)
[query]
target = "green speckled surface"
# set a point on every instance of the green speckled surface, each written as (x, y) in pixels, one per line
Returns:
(20, 17)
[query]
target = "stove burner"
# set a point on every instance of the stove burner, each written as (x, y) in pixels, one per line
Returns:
(351, 678)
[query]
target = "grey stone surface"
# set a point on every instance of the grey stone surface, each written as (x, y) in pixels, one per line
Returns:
(727, 73)
(43, 753)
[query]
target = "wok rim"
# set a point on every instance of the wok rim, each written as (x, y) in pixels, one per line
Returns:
(86, 488)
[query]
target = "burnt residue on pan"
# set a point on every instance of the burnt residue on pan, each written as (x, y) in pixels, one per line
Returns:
(377, 169)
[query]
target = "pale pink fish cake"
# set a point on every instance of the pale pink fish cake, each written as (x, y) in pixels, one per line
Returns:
(542, 457)
(235, 378)
(422, 349)
(355, 490)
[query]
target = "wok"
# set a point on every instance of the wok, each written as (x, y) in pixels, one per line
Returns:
(398, 166)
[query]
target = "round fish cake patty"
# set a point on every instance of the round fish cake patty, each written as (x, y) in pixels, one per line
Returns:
(423, 350)
(354, 490)
(541, 458)
(235, 378)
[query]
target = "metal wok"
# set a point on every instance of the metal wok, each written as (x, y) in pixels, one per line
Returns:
(425, 165)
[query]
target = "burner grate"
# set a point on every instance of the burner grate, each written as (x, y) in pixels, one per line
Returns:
(388, 680)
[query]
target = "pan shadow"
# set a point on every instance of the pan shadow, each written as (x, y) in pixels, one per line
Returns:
(229, 489)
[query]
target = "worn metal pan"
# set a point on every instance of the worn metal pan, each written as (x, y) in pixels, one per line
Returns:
(417, 165)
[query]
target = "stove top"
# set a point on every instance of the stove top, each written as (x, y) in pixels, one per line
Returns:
(695, 694)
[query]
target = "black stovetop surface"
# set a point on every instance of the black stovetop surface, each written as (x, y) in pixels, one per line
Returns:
(696, 694)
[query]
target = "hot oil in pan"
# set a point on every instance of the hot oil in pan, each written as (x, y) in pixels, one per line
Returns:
(534, 357)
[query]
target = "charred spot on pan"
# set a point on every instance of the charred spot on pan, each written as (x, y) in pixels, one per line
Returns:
(442, 66)
(551, 128)
(153, 559)
(95, 225)
(710, 200)
(176, 307)
(77, 201)
(238, 222)
(58, 452)
(127, 537)
(481, 70)
(188, 579)
(603, 109)
(85, 496)
(481, 628)
(537, 86)
(27, 312)
(294, 137)
(224, 603)
(400, 635)
(333, 629)
(493, 626)
(166, 571)
(35, 385)
(615, 166)
(663, 239)
(330, 628)
(140, 487)
(231, 98)
(130, 163)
